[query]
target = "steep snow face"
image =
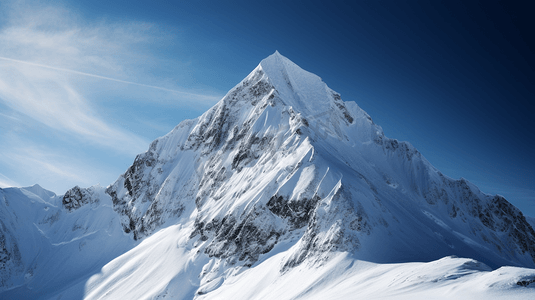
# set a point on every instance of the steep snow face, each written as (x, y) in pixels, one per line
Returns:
(302, 90)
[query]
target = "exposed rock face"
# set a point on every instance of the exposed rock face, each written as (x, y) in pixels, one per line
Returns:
(239, 240)
(10, 258)
(497, 221)
(503, 218)
(136, 188)
(298, 213)
(78, 197)
(335, 225)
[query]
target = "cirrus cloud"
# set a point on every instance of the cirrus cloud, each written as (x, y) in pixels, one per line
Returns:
(52, 64)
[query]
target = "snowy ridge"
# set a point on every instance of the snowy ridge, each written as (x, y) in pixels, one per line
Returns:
(279, 177)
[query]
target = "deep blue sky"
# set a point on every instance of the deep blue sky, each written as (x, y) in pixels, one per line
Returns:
(454, 78)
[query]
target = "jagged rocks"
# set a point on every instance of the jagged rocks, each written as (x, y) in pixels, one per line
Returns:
(78, 197)
(335, 225)
(133, 195)
(525, 282)
(297, 212)
(208, 133)
(143, 222)
(10, 257)
(5, 255)
(341, 106)
(501, 216)
(239, 240)
(135, 179)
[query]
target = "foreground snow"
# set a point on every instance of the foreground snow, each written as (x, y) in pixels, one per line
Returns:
(166, 266)
(343, 277)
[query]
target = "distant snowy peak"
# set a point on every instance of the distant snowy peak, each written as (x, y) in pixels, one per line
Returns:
(47, 239)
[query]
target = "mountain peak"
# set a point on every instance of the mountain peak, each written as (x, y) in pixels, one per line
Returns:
(304, 91)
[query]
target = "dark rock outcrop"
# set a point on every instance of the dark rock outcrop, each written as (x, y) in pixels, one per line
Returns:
(78, 197)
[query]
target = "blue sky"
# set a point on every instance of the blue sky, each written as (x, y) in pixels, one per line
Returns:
(86, 85)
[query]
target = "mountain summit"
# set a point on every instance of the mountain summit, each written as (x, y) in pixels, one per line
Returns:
(279, 175)
(303, 91)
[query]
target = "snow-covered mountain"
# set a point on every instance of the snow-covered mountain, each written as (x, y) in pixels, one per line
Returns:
(281, 190)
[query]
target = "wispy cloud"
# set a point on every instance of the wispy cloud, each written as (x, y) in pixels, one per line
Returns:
(43, 96)
(48, 163)
(49, 36)
(52, 64)
(193, 95)
(50, 167)
(43, 49)
(6, 182)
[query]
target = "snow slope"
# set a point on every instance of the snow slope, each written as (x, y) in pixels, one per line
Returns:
(279, 179)
(344, 277)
